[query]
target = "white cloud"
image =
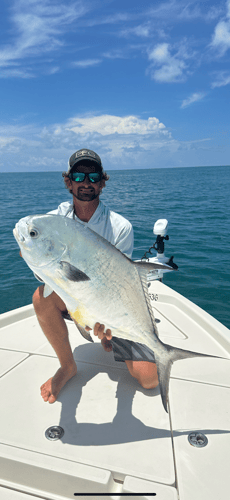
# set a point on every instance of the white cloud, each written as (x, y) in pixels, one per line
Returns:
(122, 142)
(172, 67)
(141, 30)
(53, 70)
(127, 140)
(115, 54)
(228, 8)
(197, 96)
(5, 141)
(86, 63)
(42, 26)
(116, 18)
(180, 10)
(15, 73)
(160, 54)
(222, 79)
(17, 139)
(214, 12)
(37, 27)
(221, 36)
(189, 12)
(109, 125)
(42, 161)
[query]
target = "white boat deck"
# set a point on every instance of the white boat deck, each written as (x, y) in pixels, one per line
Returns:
(117, 437)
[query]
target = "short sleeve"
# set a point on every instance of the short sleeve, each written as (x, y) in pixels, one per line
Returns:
(124, 241)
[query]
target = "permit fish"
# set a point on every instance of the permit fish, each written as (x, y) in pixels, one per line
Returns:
(97, 283)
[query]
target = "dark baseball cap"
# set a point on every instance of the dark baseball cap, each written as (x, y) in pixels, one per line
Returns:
(84, 154)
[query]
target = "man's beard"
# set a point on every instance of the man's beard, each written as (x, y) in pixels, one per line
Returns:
(85, 195)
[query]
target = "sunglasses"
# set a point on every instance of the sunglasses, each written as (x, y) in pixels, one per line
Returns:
(80, 176)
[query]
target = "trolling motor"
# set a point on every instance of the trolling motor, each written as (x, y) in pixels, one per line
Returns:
(160, 230)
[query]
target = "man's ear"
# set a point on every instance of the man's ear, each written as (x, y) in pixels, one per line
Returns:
(102, 183)
(68, 183)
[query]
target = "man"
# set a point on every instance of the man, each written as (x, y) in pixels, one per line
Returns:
(85, 180)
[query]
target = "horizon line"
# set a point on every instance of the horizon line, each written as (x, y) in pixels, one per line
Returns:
(112, 169)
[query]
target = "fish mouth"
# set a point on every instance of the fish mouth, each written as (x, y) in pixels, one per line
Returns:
(18, 236)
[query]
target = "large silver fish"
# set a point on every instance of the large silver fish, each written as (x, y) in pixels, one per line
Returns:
(97, 283)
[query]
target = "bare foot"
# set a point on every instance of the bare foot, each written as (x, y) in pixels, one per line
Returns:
(51, 388)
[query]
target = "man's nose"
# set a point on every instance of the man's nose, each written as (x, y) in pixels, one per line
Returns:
(86, 181)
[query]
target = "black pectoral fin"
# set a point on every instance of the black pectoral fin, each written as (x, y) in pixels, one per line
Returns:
(72, 272)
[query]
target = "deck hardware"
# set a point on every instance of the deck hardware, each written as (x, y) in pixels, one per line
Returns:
(54, 433)
(197, 439)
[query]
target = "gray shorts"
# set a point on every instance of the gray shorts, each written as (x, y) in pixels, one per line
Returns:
(124, 350)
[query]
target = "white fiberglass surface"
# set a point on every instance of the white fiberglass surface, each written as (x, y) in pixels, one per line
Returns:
(108, 419)
(201, 472)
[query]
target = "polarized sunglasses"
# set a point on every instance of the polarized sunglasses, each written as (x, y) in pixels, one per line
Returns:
(80, 176)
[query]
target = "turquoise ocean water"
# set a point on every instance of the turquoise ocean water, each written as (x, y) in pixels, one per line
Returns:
(195, 201)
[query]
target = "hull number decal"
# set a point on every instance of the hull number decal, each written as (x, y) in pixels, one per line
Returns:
(153, 296)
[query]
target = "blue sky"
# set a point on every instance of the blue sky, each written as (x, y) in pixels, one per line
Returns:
(143, 84)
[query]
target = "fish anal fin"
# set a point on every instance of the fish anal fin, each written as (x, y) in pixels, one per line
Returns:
(82, 331)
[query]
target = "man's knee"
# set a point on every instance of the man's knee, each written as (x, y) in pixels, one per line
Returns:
(145, 372)
(38, 297)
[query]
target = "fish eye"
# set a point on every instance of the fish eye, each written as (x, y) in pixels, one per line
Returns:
(33, 233)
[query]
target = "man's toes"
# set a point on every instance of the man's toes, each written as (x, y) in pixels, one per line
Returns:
(45, 395)
(45, 392)
(52, 399)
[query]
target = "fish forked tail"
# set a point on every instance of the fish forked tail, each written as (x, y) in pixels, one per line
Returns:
(164, 365)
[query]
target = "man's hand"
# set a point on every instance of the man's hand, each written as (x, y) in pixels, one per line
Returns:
(100, 333)
(105, 337)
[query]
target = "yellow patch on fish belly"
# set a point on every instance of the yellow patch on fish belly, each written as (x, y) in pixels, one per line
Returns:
(80, 316)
